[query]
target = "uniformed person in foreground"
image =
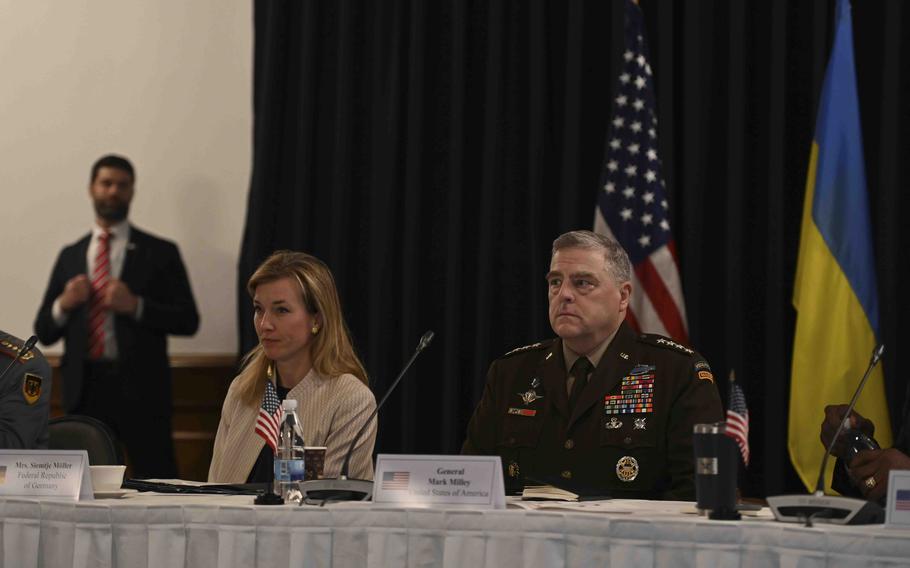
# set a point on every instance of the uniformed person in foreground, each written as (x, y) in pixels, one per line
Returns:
(601, 409)
(25, 396)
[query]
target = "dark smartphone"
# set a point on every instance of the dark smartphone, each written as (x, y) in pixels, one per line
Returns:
(856, 441)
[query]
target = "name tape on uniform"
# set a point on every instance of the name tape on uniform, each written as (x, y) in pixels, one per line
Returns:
(475, 481)
(45, 473)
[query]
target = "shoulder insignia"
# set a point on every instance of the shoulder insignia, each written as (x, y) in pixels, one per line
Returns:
(11, 349)
(31, 388)
(533, 347)
(8, 348)
(666, 343)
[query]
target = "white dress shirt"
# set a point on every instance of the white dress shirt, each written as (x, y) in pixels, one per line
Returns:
(118, 245)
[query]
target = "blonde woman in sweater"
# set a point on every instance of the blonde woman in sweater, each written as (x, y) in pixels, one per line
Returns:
(305, 351)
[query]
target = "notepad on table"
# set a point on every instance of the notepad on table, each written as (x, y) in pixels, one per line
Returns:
(547, 493)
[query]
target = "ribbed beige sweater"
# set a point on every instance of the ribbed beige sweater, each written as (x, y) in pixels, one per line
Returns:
(331, 411)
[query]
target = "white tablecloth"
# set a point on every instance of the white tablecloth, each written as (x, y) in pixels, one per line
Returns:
(225, 532)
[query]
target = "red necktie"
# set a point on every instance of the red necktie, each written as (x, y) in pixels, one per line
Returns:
(101, 275)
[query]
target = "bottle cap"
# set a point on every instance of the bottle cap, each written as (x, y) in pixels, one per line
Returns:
(289, 404)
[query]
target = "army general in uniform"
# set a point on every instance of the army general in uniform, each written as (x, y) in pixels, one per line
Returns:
(601, 409)
(25, 396)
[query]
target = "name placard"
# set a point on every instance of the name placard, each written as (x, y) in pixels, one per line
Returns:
(439, 480)
(45, 473)
(897, 506)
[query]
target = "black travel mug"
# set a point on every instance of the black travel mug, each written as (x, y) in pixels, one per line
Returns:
(716, 466)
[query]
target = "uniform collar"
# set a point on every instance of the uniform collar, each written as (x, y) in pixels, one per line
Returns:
(594, 356)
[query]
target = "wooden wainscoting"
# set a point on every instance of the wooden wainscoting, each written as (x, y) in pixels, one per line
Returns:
(200, 383)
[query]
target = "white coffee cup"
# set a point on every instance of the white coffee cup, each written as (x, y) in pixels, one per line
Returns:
(107, 477)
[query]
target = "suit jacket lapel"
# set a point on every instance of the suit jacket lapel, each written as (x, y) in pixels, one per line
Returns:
(78, 342)
(127, 275)
(613, 366)
(129, 258)
(80, 264)
(552, 375)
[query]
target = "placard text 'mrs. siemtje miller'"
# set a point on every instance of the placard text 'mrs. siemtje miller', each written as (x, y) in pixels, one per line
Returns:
(450, 477)
(35, 473)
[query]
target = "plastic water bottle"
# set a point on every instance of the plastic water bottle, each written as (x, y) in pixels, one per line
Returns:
(289, 457)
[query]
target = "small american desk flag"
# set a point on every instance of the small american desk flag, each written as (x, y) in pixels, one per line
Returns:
(902, 500)
(396, 480)
(632, 202)
(270, 413)
(738, 419)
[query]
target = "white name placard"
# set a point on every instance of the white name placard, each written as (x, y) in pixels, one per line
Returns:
(45, 473)
(475, 481)
(897, 507)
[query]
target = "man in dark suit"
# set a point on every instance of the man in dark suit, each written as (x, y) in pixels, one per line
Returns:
(114, 296)
(601, 409)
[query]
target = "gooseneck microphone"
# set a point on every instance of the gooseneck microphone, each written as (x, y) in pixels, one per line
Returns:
(831, 508)
(343, 488)
(424, 341)
(28, 346)
(876, 356)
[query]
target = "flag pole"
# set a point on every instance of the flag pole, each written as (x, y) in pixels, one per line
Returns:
(268, 496)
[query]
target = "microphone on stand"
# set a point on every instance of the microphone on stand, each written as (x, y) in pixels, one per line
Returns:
(343, 488)
(28, 346)
(830, 508)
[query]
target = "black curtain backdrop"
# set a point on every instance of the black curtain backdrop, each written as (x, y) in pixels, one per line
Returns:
(430, 152)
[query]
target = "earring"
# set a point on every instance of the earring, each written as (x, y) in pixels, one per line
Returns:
(315, 329)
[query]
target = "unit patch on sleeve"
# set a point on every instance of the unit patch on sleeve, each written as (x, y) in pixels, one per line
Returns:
(31, 388)
(703, 371)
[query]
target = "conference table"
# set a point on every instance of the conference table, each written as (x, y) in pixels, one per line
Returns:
(150, 530)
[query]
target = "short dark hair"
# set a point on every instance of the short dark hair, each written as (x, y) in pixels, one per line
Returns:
(616, 259)
(113, 161)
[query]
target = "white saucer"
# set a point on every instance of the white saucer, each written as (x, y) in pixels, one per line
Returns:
(114, 494)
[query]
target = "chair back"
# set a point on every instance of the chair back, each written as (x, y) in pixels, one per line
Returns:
(75, 432)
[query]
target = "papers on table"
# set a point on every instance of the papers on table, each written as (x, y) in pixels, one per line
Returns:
(547, 493)
(574, 506)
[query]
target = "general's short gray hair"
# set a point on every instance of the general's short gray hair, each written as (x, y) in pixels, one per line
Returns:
(617, 261)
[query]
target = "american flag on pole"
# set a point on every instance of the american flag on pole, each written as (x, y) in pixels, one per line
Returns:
(632, 202)
(738, 419)
(270, 413)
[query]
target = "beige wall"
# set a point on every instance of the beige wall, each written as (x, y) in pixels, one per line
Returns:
(165, 82)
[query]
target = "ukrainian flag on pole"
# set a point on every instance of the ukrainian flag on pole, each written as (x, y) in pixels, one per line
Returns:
(835, 292)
